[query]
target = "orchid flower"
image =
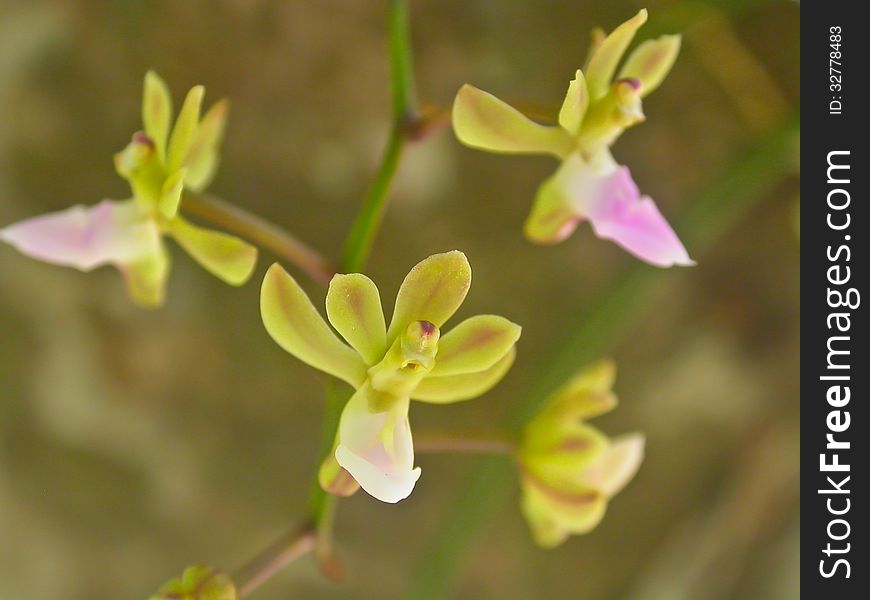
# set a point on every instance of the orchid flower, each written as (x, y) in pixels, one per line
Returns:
(159, 165)
(569, 470)
(589, 185)
(389, 366)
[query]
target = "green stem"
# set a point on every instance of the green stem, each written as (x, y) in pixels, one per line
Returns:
(362, 235)
(594, 332)
(259, 232)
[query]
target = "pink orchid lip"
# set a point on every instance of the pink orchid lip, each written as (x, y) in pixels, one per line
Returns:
(86, 237)
(604, 193)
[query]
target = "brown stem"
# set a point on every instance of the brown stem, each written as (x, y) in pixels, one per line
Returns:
(291, 546)
(260, 232)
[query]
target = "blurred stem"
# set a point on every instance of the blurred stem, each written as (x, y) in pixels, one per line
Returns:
(260, 232)
(291, 546)
(362, 235)
(464, 443)
(593, 332)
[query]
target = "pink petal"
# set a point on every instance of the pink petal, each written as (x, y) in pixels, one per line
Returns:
(605, 194)
(86, 237)
(635, 223)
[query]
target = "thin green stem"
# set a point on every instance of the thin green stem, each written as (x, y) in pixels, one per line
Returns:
(362, 235)
(594, 332)
(364, 230)
(260, 232)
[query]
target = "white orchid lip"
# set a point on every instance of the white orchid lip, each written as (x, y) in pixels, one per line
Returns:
(377, 478)
(375, 445)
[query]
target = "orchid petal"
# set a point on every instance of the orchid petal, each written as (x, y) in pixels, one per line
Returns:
(432, 291)
(575, 104)
(185, 129)
(617, 465)
(553, 217)
(605, 194)
(376, 448)
(553, 513)
(475, 345)
(294, 323)
(86, 237)
(603, 62)
(170, 194)
(225, 256)
(203, 157)
(637, 225)
(455, 388)
(584, 396)
(353, 306)
(146, 278)
(651, 61)
(156, 111)
(481, 120)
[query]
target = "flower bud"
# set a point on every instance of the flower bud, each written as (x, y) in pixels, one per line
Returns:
(198, 583)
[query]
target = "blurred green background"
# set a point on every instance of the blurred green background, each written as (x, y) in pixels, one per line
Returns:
(133, 443)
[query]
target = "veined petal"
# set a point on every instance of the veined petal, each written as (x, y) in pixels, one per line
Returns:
(617, 465)
(375, 446)
(432, 291)
(294, 323)
(156, 112)
(475, 345)
(651, 62)
(202, 158)
(602, 64)
(558, 454)
(185, 129)
(455, 388)
(225, 256)
(86, 237)
(586, 395)
(575, 104)
(482, 121)
(554, 513)
(353, 306)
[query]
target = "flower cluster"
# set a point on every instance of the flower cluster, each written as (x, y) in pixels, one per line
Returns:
(569, 470)
(159, 165)
(389, 366)
(589, 185)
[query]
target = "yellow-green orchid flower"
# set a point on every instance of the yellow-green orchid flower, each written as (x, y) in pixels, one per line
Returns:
(589, 185)
(159, 164)
(389, 366)
(569, 470)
